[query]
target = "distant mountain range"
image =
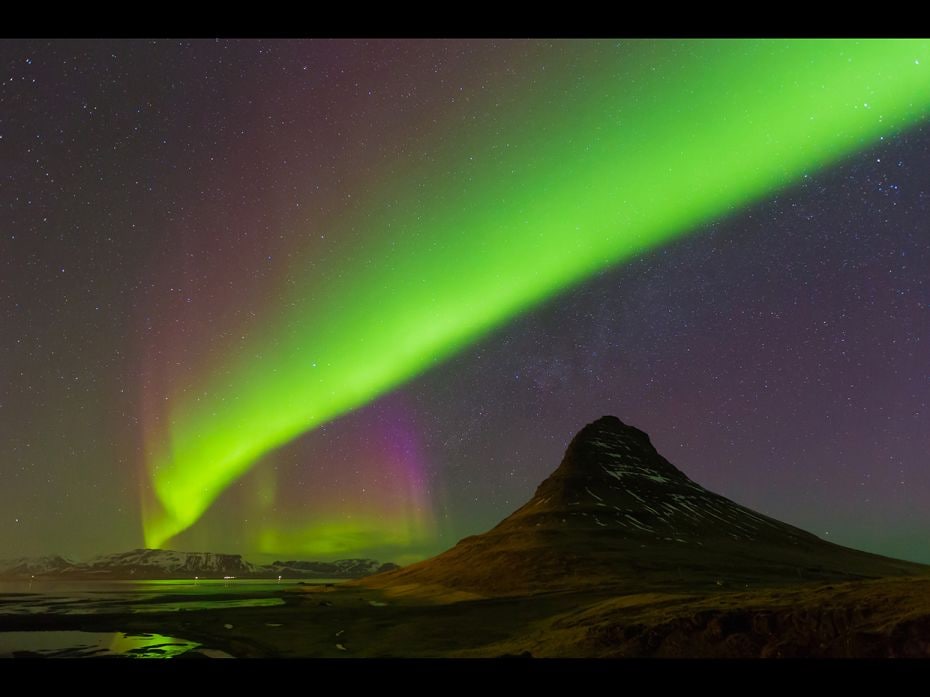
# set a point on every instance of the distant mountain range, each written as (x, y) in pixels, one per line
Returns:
(616, 513)
(167, 564)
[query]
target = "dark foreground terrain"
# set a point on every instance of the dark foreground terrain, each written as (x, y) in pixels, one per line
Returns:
(876, 618)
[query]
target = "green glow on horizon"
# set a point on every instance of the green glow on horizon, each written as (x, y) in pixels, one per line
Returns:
(338, 538)
(623, 161)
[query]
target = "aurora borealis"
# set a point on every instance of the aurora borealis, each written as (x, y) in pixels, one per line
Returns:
(276, 270)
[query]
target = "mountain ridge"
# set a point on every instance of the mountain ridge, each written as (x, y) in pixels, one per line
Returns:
(155, 564)
(616, 512)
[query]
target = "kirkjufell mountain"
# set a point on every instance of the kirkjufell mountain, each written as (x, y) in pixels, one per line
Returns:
(617, 512)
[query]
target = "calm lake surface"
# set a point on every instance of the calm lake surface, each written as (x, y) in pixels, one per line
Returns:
(110, 597)
(75, 644)
(86, 597)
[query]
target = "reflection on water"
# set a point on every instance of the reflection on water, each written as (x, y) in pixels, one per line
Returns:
(74, 644)
(99, 597)
(189, 586)
(115, 597)
(208, 604)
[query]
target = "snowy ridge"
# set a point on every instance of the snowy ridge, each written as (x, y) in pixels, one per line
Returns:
(171, 561)
(167, 564)
(34, 566)
(612, 470)
(343, 568)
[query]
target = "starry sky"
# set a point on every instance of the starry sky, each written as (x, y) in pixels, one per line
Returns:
(334, 298)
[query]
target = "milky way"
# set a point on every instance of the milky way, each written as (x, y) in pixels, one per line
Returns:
(215, 247)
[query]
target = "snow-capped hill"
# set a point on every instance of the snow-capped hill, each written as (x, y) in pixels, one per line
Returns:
(35, 566)
(343, 568)
(152, 564)
(161, 563)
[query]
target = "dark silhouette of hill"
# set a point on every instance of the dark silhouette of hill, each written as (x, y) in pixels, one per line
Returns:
(616, 512)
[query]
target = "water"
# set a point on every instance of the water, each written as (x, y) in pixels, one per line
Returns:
(20, 598)
(209, 585)
(75, 644)
(100, 597)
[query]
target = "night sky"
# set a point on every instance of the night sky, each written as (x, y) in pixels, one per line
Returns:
(333, 298)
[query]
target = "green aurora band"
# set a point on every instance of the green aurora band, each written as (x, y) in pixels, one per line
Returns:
(584, 174)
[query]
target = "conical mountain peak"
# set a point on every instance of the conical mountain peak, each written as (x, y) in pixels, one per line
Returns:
(611, 451)
(606, 430)
(616, 512)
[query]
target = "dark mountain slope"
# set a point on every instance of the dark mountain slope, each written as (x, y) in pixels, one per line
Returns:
(616, 512)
